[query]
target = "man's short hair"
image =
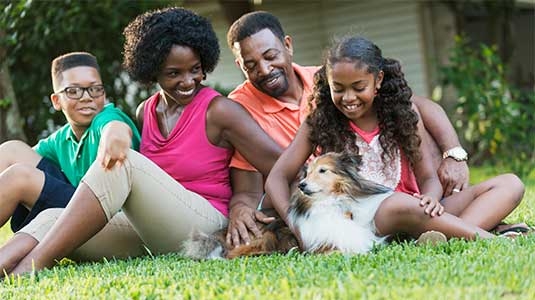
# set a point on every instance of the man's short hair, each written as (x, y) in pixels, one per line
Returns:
(68, 61)
(251, 23)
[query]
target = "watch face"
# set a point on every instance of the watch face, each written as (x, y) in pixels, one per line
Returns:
(458, 153)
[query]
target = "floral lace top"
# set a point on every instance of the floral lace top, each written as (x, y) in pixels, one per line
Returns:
(394, 173)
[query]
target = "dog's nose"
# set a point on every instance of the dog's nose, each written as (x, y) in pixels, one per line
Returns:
(302, 185)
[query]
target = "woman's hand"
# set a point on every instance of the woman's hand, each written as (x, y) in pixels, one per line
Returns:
(432, 206)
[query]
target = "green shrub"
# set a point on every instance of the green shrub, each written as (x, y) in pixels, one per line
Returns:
(494, 119)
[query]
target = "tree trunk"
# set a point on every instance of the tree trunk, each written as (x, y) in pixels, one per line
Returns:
(11, 123)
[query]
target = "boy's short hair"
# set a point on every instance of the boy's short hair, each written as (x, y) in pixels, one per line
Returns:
(68, 61)
(251, 23)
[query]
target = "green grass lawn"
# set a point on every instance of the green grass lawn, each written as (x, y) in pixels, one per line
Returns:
(486, 269)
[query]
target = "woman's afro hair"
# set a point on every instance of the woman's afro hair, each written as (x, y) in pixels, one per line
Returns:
(150, 37)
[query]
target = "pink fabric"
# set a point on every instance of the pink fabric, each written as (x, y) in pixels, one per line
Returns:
(406, 182)
(186, 154)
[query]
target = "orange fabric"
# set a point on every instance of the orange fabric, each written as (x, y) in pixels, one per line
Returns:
(278, 119)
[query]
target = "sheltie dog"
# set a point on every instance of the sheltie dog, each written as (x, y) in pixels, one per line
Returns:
(332, 209)
(334, 206)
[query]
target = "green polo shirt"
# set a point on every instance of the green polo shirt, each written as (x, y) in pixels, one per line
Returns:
(75, 157)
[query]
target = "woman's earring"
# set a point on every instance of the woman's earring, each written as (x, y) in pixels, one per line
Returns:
(203, 76)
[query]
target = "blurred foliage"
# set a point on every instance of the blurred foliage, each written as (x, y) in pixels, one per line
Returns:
(38, 31)
(495, 119)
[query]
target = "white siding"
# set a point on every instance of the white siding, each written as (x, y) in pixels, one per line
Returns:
(393, 25)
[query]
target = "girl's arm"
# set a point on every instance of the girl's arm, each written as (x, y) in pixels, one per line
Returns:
(285, 170)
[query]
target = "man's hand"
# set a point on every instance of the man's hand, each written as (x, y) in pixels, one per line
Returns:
(432, 206)
(453, 175)
(242, 219)
(115, 142)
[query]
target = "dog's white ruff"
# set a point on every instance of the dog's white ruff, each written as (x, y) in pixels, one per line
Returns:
(327, 224)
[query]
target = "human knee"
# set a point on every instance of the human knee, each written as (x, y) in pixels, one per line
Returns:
(14, 151)
(400, 207)
(42, 223)
(18, 177)
(513, 184)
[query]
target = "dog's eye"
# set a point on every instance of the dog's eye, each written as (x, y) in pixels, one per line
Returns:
(322, 170)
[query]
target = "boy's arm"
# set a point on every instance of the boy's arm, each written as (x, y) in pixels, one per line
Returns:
(453, 174)
(115, 142)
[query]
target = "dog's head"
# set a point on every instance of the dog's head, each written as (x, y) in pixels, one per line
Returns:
(334, 174)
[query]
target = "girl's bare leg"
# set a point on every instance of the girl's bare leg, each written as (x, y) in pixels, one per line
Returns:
(83, 217)
(403, 213)
(14, 250)
(488, 203)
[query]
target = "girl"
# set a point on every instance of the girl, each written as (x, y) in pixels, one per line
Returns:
(361, 102)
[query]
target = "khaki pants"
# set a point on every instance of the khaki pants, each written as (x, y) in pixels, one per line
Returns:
(158, 208)
(116, 240)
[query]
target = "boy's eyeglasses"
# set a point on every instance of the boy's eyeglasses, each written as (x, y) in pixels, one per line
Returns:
(76, 92)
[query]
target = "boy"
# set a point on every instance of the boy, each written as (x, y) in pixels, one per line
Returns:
(32, 180)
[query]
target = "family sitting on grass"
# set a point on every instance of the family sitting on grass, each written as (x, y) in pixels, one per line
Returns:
(203, 157)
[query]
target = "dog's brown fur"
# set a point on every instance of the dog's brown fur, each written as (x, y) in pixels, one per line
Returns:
(276, 238)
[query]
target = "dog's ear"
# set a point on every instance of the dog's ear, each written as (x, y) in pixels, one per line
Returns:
(348, 164)
(348, 158)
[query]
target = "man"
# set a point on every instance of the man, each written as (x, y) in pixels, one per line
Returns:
(276, 94)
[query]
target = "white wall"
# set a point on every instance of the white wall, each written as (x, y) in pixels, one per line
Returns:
(393, 25)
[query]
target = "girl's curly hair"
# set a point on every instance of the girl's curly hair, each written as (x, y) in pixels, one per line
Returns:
(151, 35)
(330, 129)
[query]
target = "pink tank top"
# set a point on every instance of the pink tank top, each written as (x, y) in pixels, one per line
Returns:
(187, 154)
(395, 173)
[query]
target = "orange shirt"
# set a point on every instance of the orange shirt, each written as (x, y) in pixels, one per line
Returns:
(279, 120)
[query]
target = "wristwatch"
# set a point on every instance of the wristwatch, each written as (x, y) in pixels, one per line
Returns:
(457, 153)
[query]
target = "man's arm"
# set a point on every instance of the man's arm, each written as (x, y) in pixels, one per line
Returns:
(453, 174)
(248, 188)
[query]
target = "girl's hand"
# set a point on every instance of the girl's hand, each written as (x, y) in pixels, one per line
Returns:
(432, 206)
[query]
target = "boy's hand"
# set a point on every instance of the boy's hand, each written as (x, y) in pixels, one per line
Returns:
(114, 144)
(432, 206)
